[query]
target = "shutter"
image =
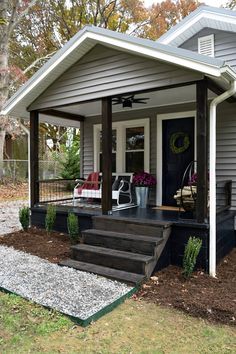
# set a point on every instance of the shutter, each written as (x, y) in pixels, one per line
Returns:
(206, 45)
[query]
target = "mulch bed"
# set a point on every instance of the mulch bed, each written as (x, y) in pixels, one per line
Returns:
(213, 299)
(200, 296)
(54, 246)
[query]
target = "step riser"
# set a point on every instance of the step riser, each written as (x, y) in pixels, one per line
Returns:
(112, 261)
(118, 244)
(130, 228)
(129, 278)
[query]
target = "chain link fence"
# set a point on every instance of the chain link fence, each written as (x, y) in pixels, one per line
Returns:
(17, 170)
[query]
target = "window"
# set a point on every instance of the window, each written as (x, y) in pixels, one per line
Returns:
(206, 45)
(134, 154)
(113, 151)
(130, 146)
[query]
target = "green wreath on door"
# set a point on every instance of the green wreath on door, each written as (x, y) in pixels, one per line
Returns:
(174, 138)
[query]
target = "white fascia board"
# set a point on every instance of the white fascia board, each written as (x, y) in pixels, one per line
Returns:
(156, 54)
(204, 15)
(44, 74)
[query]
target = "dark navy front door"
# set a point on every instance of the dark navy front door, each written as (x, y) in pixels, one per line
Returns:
(178, 152)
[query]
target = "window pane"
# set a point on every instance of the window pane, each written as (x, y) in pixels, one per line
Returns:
(113, 140)
(113, 162)
(134, 161)
(135, 138)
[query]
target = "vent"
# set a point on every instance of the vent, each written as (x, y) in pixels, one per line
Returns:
(206, 45)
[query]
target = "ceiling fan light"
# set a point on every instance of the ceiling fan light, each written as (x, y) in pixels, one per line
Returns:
(127, 104)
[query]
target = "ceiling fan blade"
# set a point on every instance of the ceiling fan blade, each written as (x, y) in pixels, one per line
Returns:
(128, 98)
(140, 101)
(142, 98)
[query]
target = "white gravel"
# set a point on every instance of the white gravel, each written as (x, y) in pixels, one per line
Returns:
(67, 290)
(9, 216)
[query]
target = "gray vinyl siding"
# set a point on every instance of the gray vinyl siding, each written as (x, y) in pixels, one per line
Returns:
(104, 72)
(225, 44)
(151, 113)
(226, 146)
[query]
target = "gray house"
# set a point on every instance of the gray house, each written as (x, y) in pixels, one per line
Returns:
(160, 107)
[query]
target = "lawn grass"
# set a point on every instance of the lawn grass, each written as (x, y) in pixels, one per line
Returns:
(134, 327)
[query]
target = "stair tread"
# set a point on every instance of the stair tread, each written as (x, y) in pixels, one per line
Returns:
(113, 252)
(125, 236)
(103, 271)
(130, 220)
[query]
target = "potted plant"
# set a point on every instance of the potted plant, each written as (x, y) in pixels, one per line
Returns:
(142, 182)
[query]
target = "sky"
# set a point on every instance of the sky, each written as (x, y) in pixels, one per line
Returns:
(215, 3)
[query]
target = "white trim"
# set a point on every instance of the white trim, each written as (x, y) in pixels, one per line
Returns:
(120, 127)
(159, 162)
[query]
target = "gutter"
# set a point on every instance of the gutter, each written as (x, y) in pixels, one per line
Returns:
(212, 173)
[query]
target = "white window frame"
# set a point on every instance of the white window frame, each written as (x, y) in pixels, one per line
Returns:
(210, 37)
(159, 161)
(120, 128)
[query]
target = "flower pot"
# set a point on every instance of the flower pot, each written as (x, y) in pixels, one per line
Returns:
(142, 196)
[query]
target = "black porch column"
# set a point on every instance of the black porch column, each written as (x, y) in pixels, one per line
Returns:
(106, 155)
(34, 161)
(202, 155)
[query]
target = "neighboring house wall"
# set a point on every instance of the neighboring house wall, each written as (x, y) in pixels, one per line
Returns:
(105, 72)
(226, 145)
(225, 44)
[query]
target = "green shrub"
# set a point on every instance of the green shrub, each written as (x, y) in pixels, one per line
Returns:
(73, 227)
(191, 252)
(50, 217)
(24, 217)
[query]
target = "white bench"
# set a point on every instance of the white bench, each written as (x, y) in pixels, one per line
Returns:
(121, 187)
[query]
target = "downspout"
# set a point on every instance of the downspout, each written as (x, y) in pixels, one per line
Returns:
(28, 164)
(212, 176)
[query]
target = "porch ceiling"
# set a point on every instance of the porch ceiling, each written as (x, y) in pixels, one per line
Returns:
(163, 98)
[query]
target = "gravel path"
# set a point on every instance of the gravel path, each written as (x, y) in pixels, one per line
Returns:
(67, 290)
(9, 219)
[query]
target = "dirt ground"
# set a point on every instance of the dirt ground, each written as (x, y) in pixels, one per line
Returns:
(200, 296)
(54, 246)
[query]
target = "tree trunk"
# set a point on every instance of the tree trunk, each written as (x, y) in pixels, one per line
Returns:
(4, 72)
(2, 141)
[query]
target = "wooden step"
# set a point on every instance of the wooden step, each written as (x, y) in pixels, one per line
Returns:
(130, 278)
(121, 241)
(131, 225)
(127, 261)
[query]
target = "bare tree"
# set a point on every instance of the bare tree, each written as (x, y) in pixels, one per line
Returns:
(11, 13)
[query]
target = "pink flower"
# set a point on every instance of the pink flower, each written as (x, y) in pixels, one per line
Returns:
(144, 179)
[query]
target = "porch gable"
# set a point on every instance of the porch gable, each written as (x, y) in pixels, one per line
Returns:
(106, 72)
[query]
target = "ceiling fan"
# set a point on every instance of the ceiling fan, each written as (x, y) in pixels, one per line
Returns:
(128, 101)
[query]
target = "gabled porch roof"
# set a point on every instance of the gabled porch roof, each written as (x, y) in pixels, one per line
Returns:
(90, 36)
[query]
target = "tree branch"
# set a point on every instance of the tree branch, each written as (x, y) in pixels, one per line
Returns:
(23, 13)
